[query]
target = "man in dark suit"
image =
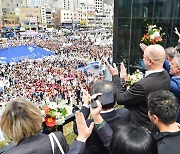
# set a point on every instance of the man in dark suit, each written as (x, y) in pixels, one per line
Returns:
(156, 78)
(113, 117)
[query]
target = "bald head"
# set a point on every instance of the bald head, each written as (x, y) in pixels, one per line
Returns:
(156, 52)
(156, 55)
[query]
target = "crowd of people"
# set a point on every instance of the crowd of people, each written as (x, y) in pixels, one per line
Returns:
(145, 125)
(54, 77)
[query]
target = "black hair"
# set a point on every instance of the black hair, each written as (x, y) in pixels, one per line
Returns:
(133, 139)
(104, 86)
(164, 105)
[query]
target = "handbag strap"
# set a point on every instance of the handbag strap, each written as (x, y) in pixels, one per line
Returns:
(52, 142)
(53, 137)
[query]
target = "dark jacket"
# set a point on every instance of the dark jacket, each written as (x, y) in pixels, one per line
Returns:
(168, 142)
(135, 97)
(105, 133)
(94, 144)
(38, 144)
(175, 87)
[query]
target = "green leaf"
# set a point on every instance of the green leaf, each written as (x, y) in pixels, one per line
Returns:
(52, 113)
(63, 112)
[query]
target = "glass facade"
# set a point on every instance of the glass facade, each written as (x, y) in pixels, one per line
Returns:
(130, 22)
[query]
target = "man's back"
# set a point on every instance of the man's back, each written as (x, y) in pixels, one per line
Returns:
(168, 142)
(134, 99)
(94, 144)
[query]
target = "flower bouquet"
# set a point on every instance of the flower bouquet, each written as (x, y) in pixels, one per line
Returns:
(135, 77)
(153, 35)
(54, 114)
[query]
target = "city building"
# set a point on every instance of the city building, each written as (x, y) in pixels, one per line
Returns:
(99, 7)
(130, 23)
(7, 12)
(0, 15)
(63, 4)
(73, 5)
(109, 2)
(8, 6)
(66, 18)
(29, 18)
(107, 18)
(47, 20)
(87, 14)
(33, 3)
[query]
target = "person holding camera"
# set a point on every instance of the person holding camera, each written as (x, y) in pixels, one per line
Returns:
(105, 92)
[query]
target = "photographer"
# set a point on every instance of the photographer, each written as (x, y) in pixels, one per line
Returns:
(105, 92)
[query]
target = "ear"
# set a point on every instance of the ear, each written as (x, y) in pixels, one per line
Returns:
(155, 119)
(150, 61)
(178, 69)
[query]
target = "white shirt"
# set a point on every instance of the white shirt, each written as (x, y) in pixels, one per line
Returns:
(150, 72)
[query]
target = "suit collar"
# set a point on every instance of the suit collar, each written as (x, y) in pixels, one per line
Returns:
(153, 71)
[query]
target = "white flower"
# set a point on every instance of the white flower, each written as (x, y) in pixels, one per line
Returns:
(152, 37)
(140, 76)
(133, 77)
(69, 110)
(57, 114)
(60, 121)
(156, 34)
(42, 112)
(61, 106)
(52, 105)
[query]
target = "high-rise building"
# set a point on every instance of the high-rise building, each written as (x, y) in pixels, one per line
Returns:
(73, 5)
(99, 7)
(8, 6)
(0, 15)
(109, 2)
(29, 20)
(46, 17)
(7, 11)
(34, 3)
(63, 4)
(87, 14)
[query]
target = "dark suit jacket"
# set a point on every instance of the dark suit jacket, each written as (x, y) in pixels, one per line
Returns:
(39, 144)
(94, 144)
(135, 97)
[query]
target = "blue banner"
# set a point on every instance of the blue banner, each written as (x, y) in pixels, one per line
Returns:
(15, 54)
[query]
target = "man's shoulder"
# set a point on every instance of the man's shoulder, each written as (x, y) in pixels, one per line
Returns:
(176, 79)
(163, 74)
(175, 82)
(167, 135)
(168, 142)
(120, 115)
(161, 79)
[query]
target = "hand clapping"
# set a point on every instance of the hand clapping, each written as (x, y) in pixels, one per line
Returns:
(112, 69)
